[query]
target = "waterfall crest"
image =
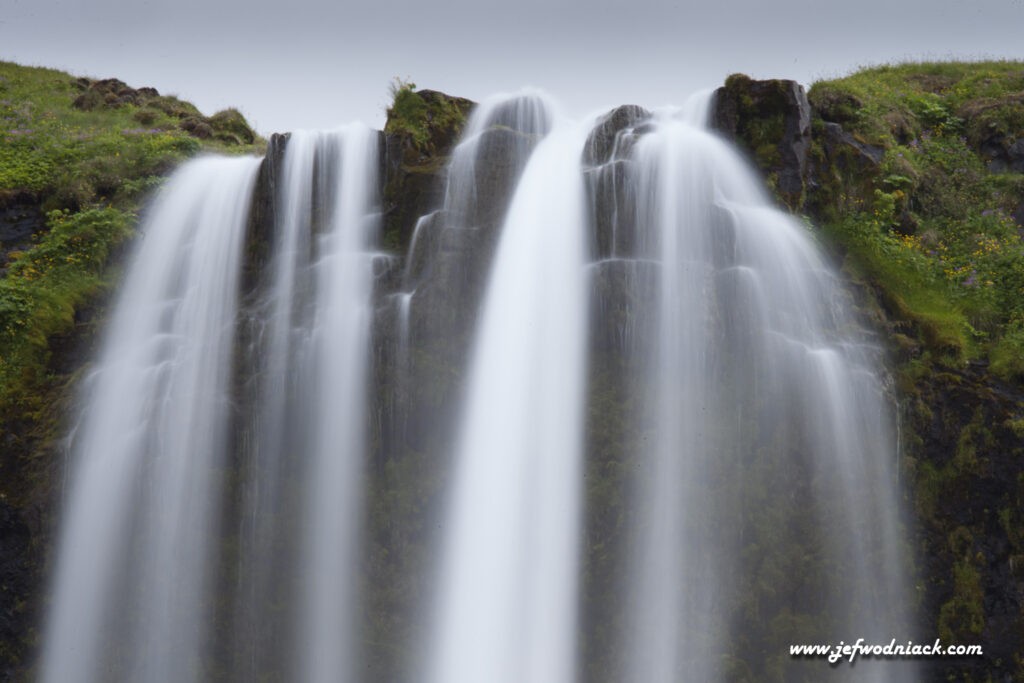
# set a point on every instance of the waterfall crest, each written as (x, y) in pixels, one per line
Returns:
(131, 594)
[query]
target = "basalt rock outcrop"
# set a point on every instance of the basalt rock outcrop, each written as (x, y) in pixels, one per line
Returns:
(773, 119)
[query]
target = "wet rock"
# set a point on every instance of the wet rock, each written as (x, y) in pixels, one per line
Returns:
(613, 208)
(624, 296)
(614, 135)
(501, 156)
(263, 218)
(608, 170)
(410, 190)
(414, 155)
(425, 242)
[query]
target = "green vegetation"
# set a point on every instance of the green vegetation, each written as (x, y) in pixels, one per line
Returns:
(931, 225)
(43, 287)
(77, 157)
(71, 145)
(759, 120)
(429, 119)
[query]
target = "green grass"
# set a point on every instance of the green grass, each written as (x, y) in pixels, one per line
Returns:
(423, 118)
(884, 103)
(72, 157)
(41, 292)
(933, 229)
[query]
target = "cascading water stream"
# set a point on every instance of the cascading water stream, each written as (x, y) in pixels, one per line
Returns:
(149, 449)
(339, 351)
(755, 383)
(310, 437)
(507, 602)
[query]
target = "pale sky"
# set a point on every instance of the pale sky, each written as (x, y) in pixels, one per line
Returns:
(317, 63)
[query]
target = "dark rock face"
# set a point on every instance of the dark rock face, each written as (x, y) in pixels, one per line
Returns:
(18, 582)
(969, 486)
(459, 245)
(410, 190)
(607, 166)
(623, 284)
(20, 218)
(1005, 154)
(772, 121)
(501, 156)
(842, 172)
(623, 307)
(612, 136)
(431, 230)
(444, 239)
(861, 157)
(1018, 214)
(444, 131)
(263, 217)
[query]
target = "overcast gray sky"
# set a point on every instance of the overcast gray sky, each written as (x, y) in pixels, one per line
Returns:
(317, 63)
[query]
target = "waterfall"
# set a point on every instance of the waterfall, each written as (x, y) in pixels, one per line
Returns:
(772, 451)
(610, 417)
(507, 600)
(302, 514)
(159, 430)
(132, 589)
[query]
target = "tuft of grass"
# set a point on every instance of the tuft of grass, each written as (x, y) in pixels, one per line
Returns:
(429, 119)
(908, 284)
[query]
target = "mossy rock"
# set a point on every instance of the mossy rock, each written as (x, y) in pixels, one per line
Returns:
(771, 120)
(421, 130)
(174, 107)
(230, 126)
(995, 128)
(429, 121)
